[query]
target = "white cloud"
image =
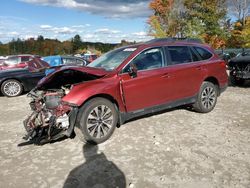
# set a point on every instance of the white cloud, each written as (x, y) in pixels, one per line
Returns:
(108, 8)
(57, 30)
(64, 30)
(107, 31)
(45, 26)
(13, 33)
(81, 26)
(29, 36)
(88, 36)
(20, 28)
(141, 33)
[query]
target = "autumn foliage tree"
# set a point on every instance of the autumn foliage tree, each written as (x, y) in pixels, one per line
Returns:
(166, 21)
(211, 16)
(240, 34)
(246, 32)
(189, 18)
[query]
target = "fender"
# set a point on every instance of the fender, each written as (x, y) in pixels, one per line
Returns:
(80, 93)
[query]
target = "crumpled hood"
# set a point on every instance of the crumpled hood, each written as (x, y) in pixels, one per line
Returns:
(93, 72)
(89, 70)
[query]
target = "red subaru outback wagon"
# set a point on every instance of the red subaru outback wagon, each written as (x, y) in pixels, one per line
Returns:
(122, 84)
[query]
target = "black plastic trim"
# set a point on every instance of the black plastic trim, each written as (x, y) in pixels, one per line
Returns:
(72, 121)
(130, 115)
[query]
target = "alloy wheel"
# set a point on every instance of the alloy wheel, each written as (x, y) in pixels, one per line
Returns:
(208, 97)
(100, 121)
(12, 88)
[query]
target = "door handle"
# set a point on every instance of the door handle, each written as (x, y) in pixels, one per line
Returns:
(165, 75)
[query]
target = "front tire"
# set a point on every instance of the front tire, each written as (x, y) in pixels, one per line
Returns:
(11, 88)
(97, 121)
(207, 98)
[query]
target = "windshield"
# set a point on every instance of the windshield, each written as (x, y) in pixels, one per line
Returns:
(112, 59)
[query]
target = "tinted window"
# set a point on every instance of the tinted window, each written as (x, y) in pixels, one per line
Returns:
(179, 54)
(149, 59)
(203, 53)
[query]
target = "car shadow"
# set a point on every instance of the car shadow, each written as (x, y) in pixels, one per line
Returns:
(96, 171)
(245, 85)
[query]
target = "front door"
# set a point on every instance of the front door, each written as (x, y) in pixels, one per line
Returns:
(149, 87)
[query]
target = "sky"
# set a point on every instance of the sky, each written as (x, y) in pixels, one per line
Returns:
(107, 21)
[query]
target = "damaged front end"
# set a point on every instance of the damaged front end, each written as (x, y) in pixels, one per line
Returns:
(51, 117)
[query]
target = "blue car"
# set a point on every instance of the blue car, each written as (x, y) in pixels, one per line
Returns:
(58, 60)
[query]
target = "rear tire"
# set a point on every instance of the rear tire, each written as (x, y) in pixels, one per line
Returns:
(97, 121)
(11, 88)
(207, 98)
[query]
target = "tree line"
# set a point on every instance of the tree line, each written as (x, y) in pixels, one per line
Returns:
(45, 47)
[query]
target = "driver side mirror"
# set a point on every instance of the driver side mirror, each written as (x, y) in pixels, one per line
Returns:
(132, 71)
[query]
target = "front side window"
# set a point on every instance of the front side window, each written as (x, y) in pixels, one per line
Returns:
(147, 60)
(179, 54)
(112, 59)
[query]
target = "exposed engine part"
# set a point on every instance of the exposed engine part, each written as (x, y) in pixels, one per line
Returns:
(52, 100)
(50, 118)
(66, 90)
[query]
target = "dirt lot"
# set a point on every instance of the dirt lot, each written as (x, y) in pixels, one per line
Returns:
(178, 148)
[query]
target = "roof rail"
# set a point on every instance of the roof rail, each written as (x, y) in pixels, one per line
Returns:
(191, 40)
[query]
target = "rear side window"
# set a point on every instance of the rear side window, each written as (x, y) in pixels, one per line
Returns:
(205, 54)
(179, 54)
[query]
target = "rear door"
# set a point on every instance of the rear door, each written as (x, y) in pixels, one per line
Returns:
(186, 70)
(149, 88)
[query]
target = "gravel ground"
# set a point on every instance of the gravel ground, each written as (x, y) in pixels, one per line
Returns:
(178, 148)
